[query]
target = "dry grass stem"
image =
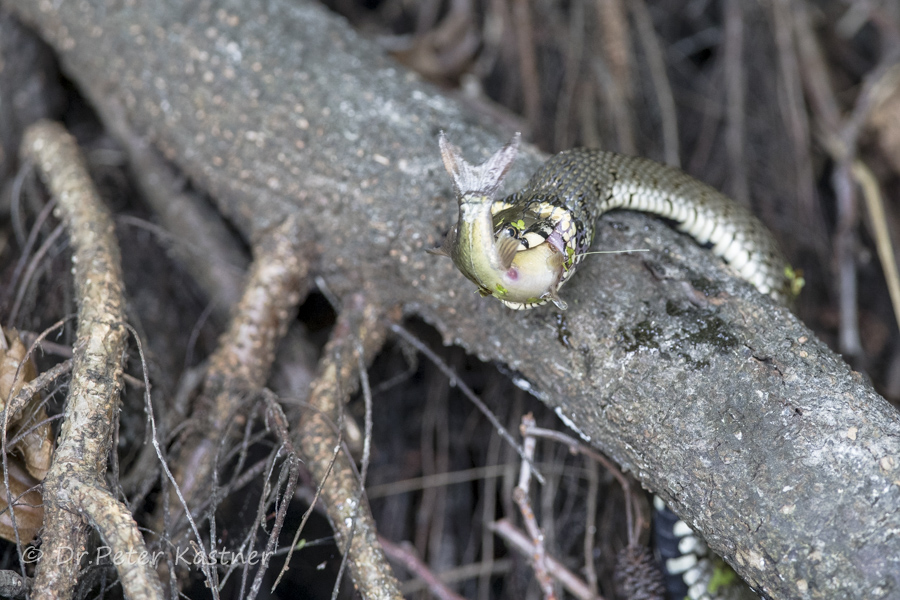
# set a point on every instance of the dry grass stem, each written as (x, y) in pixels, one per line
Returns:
(661, 86)
(878, 220)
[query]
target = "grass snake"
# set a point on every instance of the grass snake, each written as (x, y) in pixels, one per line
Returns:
(522, 248)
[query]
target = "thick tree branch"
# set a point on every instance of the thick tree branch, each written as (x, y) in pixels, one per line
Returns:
(763, 439)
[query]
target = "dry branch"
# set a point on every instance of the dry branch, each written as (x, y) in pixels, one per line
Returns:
(241, 364)
(358, 331)
(406, 555)
(526, 546)
(75, 490)
(758, 435)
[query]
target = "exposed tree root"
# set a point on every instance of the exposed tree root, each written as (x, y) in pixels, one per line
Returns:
(75, 490)
(359, 333)
(239, 368)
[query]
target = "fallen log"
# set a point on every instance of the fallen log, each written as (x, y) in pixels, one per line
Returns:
(722, 402)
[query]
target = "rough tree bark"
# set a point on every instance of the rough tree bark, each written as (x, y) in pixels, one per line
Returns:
(725, 404)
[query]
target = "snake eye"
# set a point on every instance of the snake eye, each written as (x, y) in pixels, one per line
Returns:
(512, 232)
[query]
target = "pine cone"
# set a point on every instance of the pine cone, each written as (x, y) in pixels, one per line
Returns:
(638, 576)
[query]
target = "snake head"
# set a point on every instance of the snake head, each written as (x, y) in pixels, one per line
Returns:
(490, 254)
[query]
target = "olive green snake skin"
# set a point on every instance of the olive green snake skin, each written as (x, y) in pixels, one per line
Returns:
(523, 248)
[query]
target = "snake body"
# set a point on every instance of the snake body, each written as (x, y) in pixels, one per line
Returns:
(524, 247)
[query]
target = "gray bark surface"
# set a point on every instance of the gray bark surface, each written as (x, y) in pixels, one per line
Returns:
(722, 402)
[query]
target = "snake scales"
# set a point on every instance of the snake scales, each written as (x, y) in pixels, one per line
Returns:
(523, 248)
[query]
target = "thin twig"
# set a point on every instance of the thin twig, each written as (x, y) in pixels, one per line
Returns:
(367, 446)
(613, 23)
(565, 100)
(619, 110)
(154, 440)
(439, 479)
(12, 407)
(241, 364)
(16, 201)
(33, 235)
(488, 511)
(611, 64)
(840, 135)
(531, 85)
(577, 447)
(434, 444)
(279, 423)
(520, 496)
(32, 268)
(467, 392)
(15, 403)
(295, 543)
(794, 110)
(520, 542)
(590, 527)
(403, 553)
